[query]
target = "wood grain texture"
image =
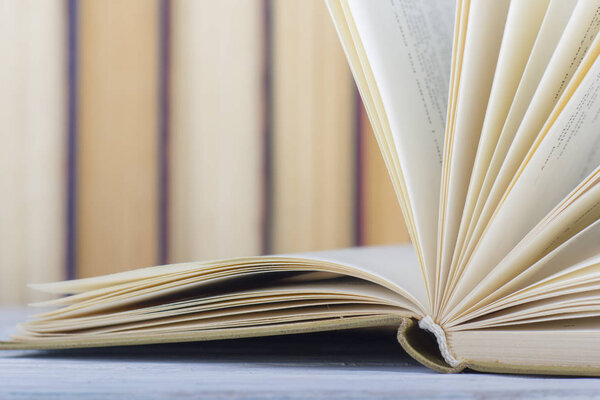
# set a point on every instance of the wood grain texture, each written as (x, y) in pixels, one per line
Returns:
(381, 218)
(117, 181)
(339, 365)
(216, 129)
(32, 146)
(313, 131)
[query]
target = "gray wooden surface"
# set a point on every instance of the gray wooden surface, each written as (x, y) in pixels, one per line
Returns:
(347, 365)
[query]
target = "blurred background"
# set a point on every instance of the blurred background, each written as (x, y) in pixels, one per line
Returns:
(144, 132)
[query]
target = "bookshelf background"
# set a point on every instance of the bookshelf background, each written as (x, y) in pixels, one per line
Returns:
(143, 132)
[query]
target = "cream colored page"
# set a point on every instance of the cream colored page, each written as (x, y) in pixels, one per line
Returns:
(369, 92)
(231, 319)
(568, 153)
(553, 315)
(574, 277)
(460, 29)
(568, 306)
(525, 311)
(578, 248)
(279, 295)
(79, 341)
(259, 315)
(555, 20)
(575, 217)
(408, 44)
(576, 39)
(483, 38)
(563, 224)
(522, 28)
(371, 98)
(398, 265)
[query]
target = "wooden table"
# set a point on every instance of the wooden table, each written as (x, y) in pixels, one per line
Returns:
(343, 365)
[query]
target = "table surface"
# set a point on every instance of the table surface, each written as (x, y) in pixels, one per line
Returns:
(341, 365)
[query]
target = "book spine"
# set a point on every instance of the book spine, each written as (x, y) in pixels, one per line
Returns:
(418, 339)
(381, 220)
(32, 137)
(312, 131)
(216, 129)
(117, 135)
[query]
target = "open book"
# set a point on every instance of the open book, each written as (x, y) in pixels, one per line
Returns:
(488, 117)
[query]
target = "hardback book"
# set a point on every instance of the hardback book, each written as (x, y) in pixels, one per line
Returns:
(33, 137)
(380, 219)
(215, 122)
(486, 114)
(117, 142)
(311, 134)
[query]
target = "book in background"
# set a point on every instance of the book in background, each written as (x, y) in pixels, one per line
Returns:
(32, 146)
(313, 133)
(117, 135)
(380, 217)
(201, 130)
(216, 130)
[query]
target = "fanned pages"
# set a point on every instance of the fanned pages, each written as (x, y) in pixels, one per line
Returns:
(489, 129)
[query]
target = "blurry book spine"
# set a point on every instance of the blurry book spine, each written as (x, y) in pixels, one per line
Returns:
(117, 167)
(216, 129)
(313, 134)
(381, 220)
(32, 150)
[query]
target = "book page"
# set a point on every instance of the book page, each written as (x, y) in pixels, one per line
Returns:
(338, 322)
(577, 212)
(394, 267)
(556, 18)
(575, 250)
(396, 264)
(408, 44)
(578, 36)
(562, 302)
(579, 274)
(230, 294)
(568, 152)
(287, 293)
(367, 86)
(458, 47)
(522, 29)
(578, 304)
(484, 34)
(230, 319)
